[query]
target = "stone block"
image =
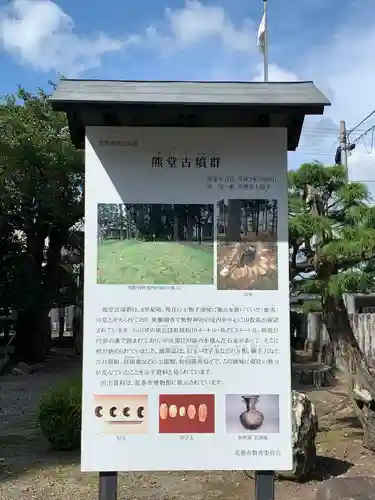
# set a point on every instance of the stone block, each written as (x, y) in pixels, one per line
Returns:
(347, 488)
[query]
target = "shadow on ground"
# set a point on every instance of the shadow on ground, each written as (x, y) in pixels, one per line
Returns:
(34, 455)
(350, 421)
(327, 467)
(22, 446)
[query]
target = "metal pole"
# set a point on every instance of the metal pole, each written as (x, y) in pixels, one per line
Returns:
(264, 485)
(265, 55)
(344, 149)
(107, 485)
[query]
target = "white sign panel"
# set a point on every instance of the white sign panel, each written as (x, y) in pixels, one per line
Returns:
(186, 326)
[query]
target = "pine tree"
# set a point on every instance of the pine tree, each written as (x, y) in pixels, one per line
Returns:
(332, 247)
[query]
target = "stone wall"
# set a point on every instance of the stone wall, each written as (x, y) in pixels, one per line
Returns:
(363, 328)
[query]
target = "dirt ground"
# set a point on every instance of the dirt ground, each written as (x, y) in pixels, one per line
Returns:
(30, 471)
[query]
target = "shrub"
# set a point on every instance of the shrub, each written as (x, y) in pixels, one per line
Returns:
(60, 415)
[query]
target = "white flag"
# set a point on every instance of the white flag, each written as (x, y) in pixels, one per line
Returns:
(262, 34)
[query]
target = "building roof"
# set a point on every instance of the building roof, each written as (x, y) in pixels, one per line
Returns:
(195, 104)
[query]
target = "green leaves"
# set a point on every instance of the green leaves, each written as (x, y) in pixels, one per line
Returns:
(351, 282)
(317, 175)
(41, 183)
(336, 224)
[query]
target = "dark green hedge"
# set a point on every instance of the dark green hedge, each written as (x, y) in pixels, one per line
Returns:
(60, 415)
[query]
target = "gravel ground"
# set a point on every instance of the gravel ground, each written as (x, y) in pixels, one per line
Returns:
(29, 470)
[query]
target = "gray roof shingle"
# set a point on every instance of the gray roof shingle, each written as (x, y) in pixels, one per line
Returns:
(187, 104)
(174, 92)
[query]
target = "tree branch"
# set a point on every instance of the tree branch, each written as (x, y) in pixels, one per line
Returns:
(361, 259)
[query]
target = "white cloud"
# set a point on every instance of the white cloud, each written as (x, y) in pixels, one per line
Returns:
(343, 71)
(197, 22)
(362, 166)
(275, 74)
(40, 34)
(344, 66)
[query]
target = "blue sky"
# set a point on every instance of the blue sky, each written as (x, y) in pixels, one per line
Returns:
(329, 42)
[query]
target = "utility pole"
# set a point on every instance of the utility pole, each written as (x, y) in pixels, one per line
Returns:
(344, 149)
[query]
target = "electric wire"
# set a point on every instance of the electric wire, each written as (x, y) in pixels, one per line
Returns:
(361, 122)
(316, 136)
(370, 129)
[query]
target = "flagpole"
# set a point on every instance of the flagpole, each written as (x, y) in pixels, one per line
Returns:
(265, 54)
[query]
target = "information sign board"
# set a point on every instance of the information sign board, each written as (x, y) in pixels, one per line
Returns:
(186, 326)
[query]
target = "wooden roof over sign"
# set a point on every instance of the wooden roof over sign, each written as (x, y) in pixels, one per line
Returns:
(187, 104)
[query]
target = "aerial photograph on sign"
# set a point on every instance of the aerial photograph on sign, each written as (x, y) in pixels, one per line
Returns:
(247, 244)
(155, 244)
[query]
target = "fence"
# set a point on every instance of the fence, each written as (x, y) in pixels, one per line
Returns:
(363, 328)
(68, 314)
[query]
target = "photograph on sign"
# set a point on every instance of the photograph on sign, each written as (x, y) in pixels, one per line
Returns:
(247, 244)
(155, 244)
(186, 364)
(254, 413)
(187, 413)
(122, 414)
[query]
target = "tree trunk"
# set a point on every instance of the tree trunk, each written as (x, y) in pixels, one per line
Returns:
(190, 228)
(254, 210)
(199, 234)
(234, 220)
(176, 228)
(77, 331)
(351, 362)
(274, 218)
(139, 220)
(121, 221)
(33, 329)
(32, 336)
(258, 207)
(61, 321)
(5, 324)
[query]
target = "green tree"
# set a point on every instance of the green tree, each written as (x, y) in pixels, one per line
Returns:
(332, 242)
(41, 181)
(11, 248)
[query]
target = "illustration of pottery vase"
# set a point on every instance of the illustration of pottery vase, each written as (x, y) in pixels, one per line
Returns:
(251, 419)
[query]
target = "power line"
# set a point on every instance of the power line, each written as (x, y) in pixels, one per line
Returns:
(333, 130)
(341, 156)
(361, 122)
(370, 129)
(314, 136)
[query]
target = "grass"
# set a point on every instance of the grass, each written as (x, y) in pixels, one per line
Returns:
(155, 263)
